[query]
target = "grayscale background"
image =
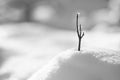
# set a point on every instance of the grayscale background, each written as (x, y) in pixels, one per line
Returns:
(32, 32)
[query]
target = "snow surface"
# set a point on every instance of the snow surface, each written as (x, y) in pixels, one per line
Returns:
(89, 64)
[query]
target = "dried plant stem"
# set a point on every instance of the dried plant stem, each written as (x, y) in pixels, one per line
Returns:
(79, 32)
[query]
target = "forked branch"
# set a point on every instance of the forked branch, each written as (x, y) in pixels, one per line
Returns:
(79, 31)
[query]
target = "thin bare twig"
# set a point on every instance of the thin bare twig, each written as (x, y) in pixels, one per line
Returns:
(79, 31)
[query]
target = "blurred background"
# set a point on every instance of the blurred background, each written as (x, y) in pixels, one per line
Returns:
(55, 13)
(34, 31)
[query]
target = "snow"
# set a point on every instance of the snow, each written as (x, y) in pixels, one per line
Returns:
(89, 64)
(28, 47)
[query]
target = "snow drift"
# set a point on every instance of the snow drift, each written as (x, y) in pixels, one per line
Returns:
(89, 64)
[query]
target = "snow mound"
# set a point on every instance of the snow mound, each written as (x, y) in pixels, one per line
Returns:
(88, 64)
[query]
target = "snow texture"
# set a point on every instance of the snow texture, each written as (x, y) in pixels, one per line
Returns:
(89, 64)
